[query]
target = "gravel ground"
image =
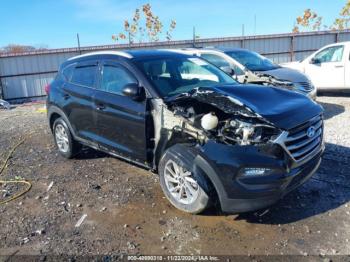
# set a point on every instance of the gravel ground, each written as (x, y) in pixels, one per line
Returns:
(126, 212)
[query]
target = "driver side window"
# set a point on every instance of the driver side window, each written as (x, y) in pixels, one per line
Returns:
(114, 78)
(330, 54)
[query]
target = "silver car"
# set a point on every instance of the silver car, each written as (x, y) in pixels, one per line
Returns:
(250, 67)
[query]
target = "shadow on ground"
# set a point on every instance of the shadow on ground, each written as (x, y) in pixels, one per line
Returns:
(334, 93)
(332, 110)
(328, 189)
(90, 153)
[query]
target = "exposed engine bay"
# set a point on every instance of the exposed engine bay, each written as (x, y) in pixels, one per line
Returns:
(203, 114)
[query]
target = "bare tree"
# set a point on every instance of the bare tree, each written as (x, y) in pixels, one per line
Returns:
(153, 27)
(311, 21)
(342, 22)
(17, 49)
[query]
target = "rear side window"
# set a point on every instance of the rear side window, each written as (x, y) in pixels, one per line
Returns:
(68, 72)
(216, 60)
(84, 75)
(114, 79)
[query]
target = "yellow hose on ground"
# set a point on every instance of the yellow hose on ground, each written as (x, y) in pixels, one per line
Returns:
(29, 185)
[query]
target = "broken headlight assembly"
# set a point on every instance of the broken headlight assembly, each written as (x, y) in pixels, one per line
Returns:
(304, 87)
(240, 132)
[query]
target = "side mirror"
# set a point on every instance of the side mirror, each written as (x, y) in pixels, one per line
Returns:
(315, 61)
(228, 70)
(134, 91)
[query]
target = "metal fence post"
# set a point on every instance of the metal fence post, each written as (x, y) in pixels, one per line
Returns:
(1, 88)
(291, 48)
(242, 43)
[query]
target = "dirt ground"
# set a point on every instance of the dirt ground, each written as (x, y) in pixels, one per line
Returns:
(128, 214)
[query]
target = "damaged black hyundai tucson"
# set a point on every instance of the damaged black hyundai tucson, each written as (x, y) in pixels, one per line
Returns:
(210, 139)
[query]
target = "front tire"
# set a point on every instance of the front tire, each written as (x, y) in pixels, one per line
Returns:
(64, 141)
(186, 189)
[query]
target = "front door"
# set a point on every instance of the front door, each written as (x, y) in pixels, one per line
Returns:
(327, 68)
(120, 119)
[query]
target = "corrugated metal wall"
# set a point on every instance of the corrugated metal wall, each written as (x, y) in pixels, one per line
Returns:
(25, 75)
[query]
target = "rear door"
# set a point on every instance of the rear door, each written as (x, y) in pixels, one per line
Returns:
(77, 96)
(120, 119)
(329, 71)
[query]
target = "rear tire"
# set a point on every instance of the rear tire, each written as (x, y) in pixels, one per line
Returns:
(185, 188)
(66, 145)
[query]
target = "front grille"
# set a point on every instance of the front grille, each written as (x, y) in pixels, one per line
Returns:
(296, 181)
(307, 86)
(299, 145)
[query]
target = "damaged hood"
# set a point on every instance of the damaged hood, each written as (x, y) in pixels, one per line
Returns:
(283, 108)
(285, 74)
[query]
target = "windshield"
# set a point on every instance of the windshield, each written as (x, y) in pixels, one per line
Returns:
(173, 76)
(253, 61)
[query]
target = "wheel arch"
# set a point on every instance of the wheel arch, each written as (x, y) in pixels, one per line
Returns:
(52, 119)
(54, 113)
(188, 153)
(167, 140)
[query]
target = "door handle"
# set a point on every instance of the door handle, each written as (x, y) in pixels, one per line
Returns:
(339, 66)
(100, 107)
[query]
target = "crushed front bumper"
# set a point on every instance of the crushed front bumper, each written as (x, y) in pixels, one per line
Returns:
(239, 193)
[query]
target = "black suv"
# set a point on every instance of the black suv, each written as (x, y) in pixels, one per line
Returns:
(208, 137)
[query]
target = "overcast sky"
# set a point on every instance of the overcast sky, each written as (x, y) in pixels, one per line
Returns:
(55, 22)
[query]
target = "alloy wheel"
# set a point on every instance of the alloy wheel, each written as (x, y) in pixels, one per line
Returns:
(180, 183)
(62, 138)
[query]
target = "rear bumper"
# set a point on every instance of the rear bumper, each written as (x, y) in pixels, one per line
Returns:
(238, 193)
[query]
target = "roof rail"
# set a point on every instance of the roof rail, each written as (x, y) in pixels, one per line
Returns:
(118, 53)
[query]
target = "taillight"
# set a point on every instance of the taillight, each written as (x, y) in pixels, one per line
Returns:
(47, 89)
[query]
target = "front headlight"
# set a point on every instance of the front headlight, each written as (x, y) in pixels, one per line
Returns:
(246, 133)
(304, 87)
